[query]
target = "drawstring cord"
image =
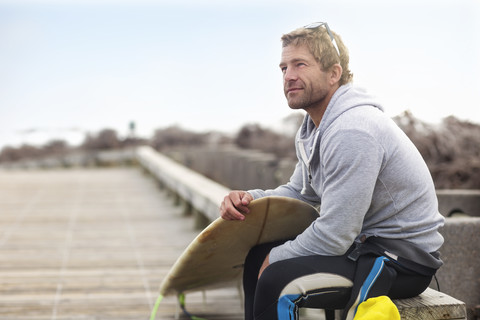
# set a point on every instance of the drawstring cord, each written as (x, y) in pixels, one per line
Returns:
(306, 169)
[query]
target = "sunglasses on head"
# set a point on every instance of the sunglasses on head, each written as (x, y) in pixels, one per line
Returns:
(316, 25)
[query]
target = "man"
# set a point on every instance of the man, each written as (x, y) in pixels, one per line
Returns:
(377, 233)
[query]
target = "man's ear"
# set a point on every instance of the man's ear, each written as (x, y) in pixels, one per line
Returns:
(335, 73)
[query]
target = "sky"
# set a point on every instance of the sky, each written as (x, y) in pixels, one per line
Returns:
(72, 67)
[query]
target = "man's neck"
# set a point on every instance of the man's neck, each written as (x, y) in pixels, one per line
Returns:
(316, 112)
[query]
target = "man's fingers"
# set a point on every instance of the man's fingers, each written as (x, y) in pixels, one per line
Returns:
(234, 205)
(229, 212)
(246, 199)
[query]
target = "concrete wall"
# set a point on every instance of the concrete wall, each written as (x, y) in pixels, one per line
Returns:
(460, 274)
(236, 168)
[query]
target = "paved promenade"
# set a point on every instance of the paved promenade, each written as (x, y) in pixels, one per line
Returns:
(91, 244)
(94, 244)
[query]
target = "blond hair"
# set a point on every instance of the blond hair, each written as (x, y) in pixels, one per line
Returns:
(320, 45)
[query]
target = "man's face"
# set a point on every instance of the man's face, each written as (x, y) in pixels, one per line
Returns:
(304, 83)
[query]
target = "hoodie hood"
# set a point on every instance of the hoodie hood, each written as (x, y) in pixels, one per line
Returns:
(345, 98)
(309, 136)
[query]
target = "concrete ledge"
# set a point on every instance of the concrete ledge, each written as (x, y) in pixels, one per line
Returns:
(203, 194)
(431, 305)
(454, 201)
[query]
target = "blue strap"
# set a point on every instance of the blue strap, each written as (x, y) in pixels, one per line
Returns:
(286, 306)
(377, 269)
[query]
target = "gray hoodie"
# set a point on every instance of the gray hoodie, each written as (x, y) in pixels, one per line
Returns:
(367, 177)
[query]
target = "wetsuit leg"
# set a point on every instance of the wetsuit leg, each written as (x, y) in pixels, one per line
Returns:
(320, 282)
(316, 281)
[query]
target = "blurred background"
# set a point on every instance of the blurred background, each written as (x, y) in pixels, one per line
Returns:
(105, 73)
(72, 67)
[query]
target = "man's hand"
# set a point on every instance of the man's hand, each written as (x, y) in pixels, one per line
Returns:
(235, 205)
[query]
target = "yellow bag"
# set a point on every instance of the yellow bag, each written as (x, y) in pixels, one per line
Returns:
(379, 308)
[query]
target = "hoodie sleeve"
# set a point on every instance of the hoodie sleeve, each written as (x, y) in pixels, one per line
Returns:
(292, 189)
(351, 161)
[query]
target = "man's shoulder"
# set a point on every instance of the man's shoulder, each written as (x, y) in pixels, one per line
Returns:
(363, 118)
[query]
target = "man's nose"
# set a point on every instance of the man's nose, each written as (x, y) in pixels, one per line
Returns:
(290, 75)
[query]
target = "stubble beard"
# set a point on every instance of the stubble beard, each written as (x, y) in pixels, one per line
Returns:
(298, 99)
(297, 104)
(305, 100)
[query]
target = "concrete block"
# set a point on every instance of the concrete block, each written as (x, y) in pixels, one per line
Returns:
(460, 275)
(467, 201)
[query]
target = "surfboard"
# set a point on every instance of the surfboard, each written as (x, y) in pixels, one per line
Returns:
(215, 257)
